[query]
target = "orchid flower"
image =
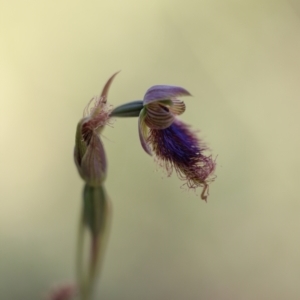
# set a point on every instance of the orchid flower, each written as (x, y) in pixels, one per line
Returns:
(174, 144)
(89, 153)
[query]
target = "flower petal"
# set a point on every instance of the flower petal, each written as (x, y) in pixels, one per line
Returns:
(100, 101)
(177, 107)
(107, 85)
(80, 145)
(93, 164)
(143, 132)
(164, 92)
(158, 116)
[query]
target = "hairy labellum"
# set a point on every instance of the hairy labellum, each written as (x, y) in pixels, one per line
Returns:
(177, 147)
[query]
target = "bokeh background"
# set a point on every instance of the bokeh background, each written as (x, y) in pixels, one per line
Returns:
(240, 60)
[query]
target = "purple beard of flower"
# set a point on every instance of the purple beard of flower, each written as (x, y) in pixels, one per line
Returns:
(177, 147)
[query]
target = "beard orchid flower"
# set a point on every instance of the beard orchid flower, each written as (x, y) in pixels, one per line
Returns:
(174, 144)
(89, 154)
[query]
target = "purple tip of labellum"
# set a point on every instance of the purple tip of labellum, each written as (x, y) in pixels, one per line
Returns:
(164, 92)
(177, 147)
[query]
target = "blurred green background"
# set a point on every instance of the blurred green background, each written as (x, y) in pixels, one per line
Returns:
(240, 60)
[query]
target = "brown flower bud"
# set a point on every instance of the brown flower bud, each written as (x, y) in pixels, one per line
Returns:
(89, 152)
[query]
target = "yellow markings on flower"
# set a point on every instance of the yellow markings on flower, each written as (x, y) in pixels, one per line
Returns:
(177, 107)
(143, 131)
(158, 116)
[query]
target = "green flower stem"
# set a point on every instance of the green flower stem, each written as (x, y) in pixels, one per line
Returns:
(131, 109)
(94, 227)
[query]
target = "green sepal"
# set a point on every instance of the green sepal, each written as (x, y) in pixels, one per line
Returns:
(95, 209)
(131, 109)
(80, 144)
(92, 238)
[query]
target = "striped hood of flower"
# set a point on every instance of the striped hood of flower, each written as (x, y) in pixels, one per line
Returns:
(175, 145)
(89, 154)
